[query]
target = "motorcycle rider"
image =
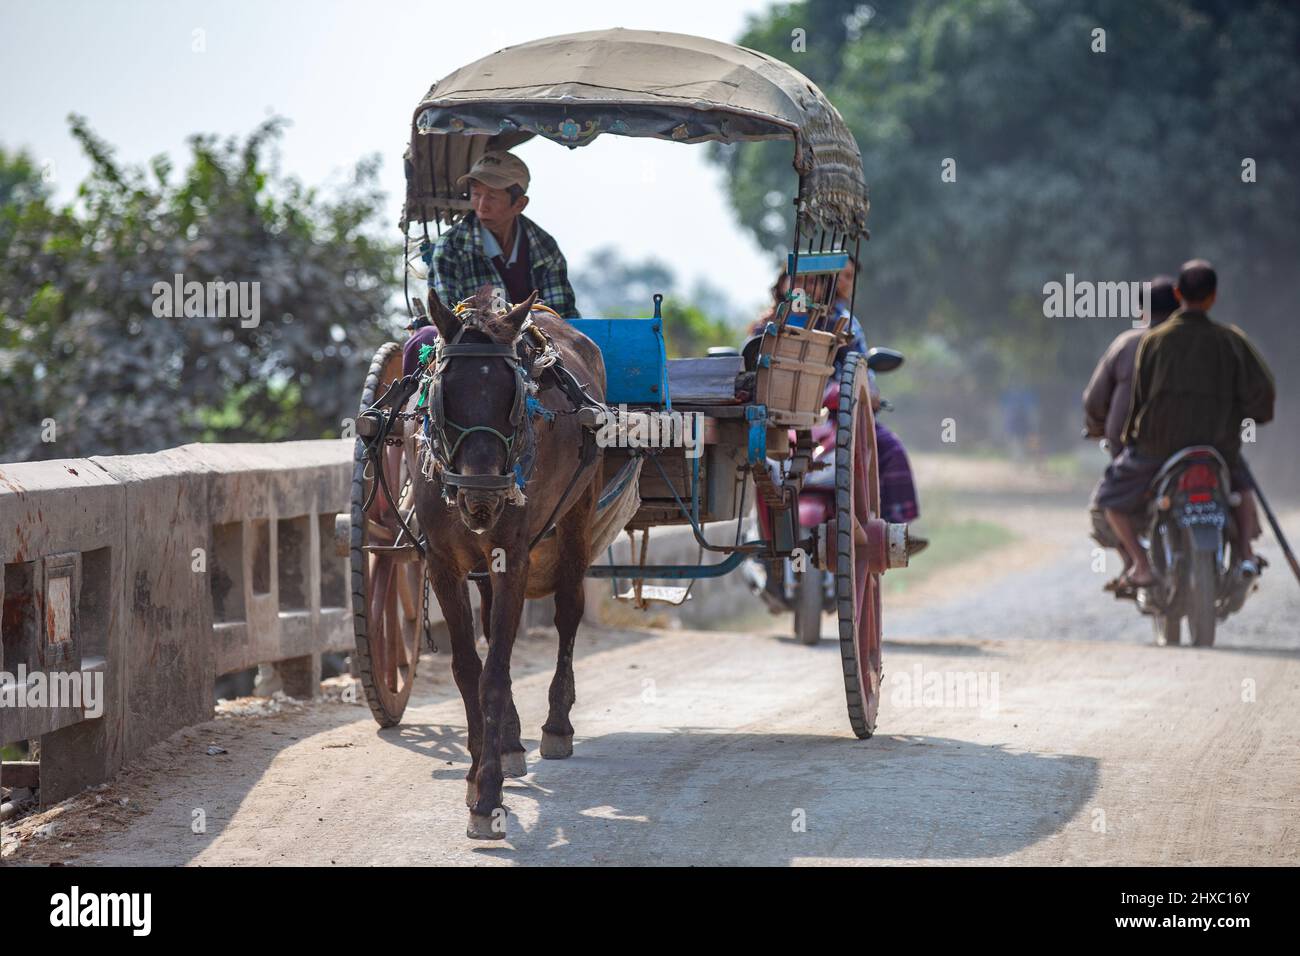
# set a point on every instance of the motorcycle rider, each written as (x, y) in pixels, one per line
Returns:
(1107, 397)
(1194, 383)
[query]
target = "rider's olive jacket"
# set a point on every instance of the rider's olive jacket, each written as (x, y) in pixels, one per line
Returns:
(1195, 382)
(461, 266)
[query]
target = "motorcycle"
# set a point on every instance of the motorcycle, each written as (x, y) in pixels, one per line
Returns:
(1190, 540)
(810, 591)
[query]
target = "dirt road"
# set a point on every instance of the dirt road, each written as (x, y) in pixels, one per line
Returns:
(1076, 742)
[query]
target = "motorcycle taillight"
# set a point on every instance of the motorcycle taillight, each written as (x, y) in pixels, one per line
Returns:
(1198, 478)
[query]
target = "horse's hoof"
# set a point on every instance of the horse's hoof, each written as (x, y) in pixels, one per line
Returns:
(487, 828)
(555, 746)
(514, 764)
(471, 793)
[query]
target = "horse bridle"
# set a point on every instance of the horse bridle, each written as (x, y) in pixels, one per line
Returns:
(518, 462)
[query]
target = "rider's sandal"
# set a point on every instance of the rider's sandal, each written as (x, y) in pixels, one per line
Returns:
(1128, 584)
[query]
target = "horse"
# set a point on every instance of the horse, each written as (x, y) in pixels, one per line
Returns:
(494, 453)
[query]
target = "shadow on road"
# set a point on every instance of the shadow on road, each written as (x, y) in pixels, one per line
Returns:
(774, 799)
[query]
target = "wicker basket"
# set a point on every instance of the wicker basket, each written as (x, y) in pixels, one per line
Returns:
(793, 367)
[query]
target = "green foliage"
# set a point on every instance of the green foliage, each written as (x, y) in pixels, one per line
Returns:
(12, 752)
(1112, 166)
(689, 332)
(611, 287)
(80, 342)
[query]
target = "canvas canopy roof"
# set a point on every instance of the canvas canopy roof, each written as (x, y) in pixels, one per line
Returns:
(572, 88)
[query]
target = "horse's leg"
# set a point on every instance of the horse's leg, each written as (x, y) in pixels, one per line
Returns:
(453, 596)
(573, 538)
(487, 816)
(513, 763)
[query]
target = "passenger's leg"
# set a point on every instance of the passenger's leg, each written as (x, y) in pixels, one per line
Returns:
(1140, 575)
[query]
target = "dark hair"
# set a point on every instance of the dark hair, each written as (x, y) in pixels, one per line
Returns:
(1197, 281)
(1163, 301)
(783, 278)
(515, 191)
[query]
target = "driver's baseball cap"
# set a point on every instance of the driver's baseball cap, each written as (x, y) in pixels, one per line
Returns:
(499, 169)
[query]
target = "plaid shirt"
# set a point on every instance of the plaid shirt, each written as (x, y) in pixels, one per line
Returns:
(461, 267)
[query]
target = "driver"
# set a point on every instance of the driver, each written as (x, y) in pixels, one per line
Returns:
(496, 245)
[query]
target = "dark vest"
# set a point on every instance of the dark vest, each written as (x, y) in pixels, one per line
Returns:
(518, 279)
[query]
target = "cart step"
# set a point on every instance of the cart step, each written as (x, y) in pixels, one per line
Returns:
(656, 594)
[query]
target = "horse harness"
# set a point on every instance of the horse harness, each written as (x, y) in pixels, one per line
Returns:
(529, 356)
(375, 426)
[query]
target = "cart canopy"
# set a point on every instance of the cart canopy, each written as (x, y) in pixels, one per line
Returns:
(572, 88)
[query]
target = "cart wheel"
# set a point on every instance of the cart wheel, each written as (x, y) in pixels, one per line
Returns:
(857, 589)
(387, 588)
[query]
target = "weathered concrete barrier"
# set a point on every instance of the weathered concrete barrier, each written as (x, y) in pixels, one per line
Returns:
(160, 572)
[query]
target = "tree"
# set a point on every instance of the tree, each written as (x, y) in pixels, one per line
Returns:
(81, 340)
(1110, 165)
(609, 286)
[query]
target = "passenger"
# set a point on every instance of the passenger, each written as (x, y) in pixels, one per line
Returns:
(778, 291)
(1107, 397)
(899, 502)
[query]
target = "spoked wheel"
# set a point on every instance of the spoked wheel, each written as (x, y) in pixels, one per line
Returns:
(387, 587)
(857, 588)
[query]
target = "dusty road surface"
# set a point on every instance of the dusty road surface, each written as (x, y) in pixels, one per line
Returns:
(1026, 719)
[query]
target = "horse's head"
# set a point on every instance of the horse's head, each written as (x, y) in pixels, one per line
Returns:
(478, 402)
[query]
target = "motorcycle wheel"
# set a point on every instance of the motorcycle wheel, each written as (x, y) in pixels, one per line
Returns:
(808, 607)
(1201, 600)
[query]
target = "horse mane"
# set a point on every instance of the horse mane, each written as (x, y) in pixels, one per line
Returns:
(483, 306)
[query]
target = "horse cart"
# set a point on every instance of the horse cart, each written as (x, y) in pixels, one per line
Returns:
(750, 411)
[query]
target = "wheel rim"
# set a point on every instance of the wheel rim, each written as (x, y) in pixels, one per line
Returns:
(858, 589)
(388, 594)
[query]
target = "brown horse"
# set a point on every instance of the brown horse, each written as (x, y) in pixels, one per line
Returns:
(484, 437)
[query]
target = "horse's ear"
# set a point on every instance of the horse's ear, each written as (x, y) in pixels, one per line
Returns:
(515, 318)
(443, 319)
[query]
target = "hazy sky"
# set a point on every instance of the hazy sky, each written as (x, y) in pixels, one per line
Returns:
(348, 76)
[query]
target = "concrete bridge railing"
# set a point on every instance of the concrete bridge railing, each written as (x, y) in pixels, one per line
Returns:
(154, 574)
(160, 572)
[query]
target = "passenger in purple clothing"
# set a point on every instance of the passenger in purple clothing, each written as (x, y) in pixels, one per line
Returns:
(898, 498)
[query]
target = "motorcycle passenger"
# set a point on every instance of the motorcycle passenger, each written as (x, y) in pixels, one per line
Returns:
(1194, 383)
(1107, 397)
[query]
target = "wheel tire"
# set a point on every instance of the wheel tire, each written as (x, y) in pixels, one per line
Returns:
(857, 590)
(387, 595)
(808, 607)
(1202, 597)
